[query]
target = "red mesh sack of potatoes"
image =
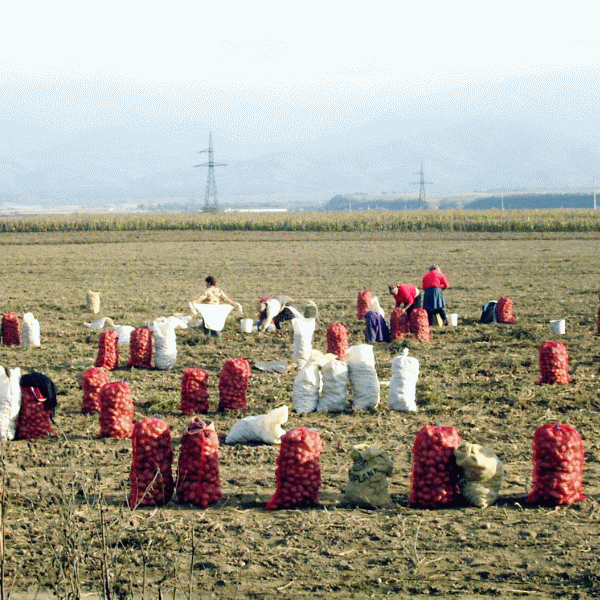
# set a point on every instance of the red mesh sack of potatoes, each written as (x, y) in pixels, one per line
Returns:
(108, 350)
(337, 340)
(198, 468)
(34, 419)
(151, 474)
(194, 391)
(598, 317)
(363, 302)
(233, 383)
(140, 348)
(558, 459)
(92, 382)
(298, 472)
(434, 476)
(116, 410)
(11, 331)
(398, 323)
(504, 311)
(418, 325)
(554, 363)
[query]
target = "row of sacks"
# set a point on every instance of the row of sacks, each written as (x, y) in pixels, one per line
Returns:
(323, 383)
(445, 471)
(27, 405)
(158, 338)
(100, 395)
(11, 330)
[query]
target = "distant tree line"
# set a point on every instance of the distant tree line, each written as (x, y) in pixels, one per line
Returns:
(342, 203)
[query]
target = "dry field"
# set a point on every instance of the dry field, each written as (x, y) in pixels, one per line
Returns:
(68, 532)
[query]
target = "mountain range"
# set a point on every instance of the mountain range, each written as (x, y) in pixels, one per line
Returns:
(119, 165)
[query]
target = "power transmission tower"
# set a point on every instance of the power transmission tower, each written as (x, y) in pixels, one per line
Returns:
(211, 184)
(422, 183)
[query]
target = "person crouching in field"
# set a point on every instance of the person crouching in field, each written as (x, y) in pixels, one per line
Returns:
(407, 297)
(434, 284)
(273, 310)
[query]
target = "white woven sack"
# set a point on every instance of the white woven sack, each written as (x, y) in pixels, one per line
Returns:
(10, 402)
(363, 377)
(307, 385)
(303, 337)
(334, 393)
(403, 384)
(259, 428)
(31, 330)
(165, 355)
(214, 315)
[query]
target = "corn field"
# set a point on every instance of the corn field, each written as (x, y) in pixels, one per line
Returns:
(393, 221)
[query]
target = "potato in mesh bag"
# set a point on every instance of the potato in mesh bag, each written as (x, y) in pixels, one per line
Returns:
(482, 473)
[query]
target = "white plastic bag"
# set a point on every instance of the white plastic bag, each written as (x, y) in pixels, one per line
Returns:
(259, 428)
(303, 336)
(363, 377)
(334, 392)
(31, 330)
(124, 333)
(163, 328)
(403, 384)
(10, 402)
(307, 384)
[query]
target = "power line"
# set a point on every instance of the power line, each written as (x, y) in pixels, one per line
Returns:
(211, 184)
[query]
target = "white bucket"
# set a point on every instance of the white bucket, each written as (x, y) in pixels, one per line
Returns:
(453, 320)
(558, 326)
(246, 325)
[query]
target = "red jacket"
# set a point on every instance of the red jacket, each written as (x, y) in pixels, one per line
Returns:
(435, 278)
(406, 294)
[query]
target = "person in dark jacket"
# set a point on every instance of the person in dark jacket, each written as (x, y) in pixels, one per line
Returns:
(434, 284)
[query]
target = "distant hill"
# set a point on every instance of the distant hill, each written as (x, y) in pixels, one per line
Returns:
(115, 164)
(532, 202)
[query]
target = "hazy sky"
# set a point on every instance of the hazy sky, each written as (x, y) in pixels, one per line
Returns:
(270, 72)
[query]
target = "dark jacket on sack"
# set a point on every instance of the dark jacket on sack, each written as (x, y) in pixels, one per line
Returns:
(376, 328)
(44, 387)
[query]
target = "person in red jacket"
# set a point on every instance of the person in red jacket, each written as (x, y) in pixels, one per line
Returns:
(434, 284)
(407, 297)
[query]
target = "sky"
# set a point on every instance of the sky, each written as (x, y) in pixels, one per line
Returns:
(264, 74)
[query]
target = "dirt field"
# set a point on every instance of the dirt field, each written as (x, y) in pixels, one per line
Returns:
(66, 517)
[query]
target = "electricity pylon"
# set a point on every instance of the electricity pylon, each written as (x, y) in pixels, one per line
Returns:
(422, 183)
(211, 184)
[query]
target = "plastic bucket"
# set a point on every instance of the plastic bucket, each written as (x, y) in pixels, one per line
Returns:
(453, 320)
(558, 326)
(246, 325)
